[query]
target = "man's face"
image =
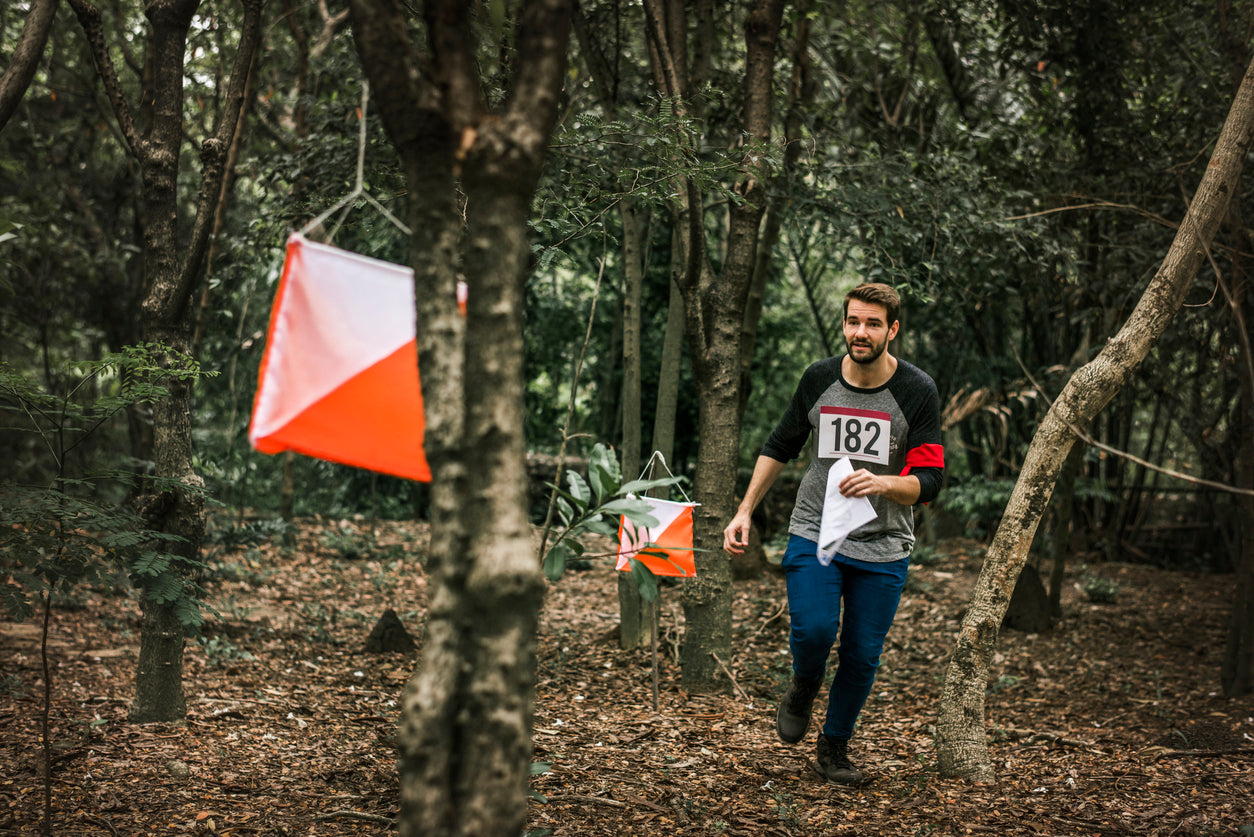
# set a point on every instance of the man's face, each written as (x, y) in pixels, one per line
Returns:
(867, 331)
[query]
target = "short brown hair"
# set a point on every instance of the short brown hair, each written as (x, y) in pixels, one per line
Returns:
(876, 293)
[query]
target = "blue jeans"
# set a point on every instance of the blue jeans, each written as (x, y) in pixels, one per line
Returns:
(870, 592)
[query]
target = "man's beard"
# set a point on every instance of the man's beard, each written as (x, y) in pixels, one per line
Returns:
(873, 349)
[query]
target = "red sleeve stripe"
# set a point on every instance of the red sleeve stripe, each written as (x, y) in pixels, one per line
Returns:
(924, 456)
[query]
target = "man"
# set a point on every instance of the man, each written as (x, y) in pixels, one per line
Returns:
(884, 415)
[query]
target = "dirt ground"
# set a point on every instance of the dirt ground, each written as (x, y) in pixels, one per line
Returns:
(1112, 723)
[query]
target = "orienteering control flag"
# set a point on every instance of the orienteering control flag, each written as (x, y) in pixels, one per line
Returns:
(339, 376)
(672, 537)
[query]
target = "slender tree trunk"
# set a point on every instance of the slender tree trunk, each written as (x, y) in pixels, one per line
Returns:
(637, 627)
(465, 737)
(668, 376)
(636, 619)
(714, 307)
(1237, 671)
(1064, 515)
(961, 746)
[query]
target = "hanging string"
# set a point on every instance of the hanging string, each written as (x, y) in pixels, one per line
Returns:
(649, 471)
(359, 189)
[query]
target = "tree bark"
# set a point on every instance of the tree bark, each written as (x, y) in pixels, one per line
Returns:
(715, 306)
(637, 626)
(960, 737)
(465, 736)
(668, 376)
(1237, 670)
(1064, 515)
(171, 269)
(30, 45)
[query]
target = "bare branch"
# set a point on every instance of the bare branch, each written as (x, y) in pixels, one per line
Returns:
(213, 151)
(1144, 463)
(89, 18)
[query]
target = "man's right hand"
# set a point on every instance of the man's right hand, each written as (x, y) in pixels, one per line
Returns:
(736, 535)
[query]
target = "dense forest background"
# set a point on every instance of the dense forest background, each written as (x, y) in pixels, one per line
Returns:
(1016, 169)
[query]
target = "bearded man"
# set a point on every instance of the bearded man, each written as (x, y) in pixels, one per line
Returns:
(882, 414)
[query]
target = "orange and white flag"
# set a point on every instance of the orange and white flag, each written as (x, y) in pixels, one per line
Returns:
(666, 548)
(339, 376)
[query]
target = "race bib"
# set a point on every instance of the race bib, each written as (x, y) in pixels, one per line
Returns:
(857, 434)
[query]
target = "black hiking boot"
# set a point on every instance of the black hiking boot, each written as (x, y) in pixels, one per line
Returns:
(833, 759)
(793, 718)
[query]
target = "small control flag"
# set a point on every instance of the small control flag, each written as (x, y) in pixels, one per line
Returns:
(666, 548)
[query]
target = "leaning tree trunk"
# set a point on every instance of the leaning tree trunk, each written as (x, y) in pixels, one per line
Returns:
(25, 58)
(961, 746)
(465, 736)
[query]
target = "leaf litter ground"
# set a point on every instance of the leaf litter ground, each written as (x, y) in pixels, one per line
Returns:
(1110, 724)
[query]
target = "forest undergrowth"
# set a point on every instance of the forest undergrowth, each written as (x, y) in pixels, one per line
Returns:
(1112, 723)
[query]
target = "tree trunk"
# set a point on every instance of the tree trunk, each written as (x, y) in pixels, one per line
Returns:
(166, 312)
(465, 736)
(25, 59)
(636, 619)
(1064, 516)
(714, 308)
(1237, 670)
(668, 376)
(637, 626)
(960, 737)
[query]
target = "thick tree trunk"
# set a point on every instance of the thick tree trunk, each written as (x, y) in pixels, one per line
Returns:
(171, 269)
(707, 599)
(465, 737)
(960, 737)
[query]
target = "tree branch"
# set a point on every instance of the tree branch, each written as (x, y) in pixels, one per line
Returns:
(213, 153)
(453, 63)
(387, 57)
(1089, 440)
(543, 31)
(89, 18)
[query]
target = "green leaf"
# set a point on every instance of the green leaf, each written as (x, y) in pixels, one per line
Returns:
(555, 561)
(150, 564)
(600, 526)
(565, 511)
(641, 486)
(539, 768)
(646, 581)
(634, 508)
(603, 471)
(579, 494)
(188, 613)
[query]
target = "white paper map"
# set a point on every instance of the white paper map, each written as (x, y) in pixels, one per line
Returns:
(841, 514)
